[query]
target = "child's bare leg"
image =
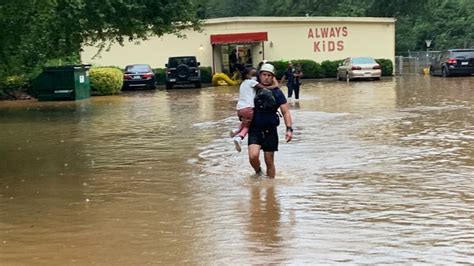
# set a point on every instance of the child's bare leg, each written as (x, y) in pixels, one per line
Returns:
(246, 117)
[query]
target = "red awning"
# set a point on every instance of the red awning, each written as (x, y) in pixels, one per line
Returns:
(239, 38)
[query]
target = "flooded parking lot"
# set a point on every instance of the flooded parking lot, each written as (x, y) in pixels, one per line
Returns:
(378, 172)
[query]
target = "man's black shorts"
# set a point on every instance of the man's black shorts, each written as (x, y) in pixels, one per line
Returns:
(266, 138)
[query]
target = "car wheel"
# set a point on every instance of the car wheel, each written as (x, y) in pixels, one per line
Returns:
(445, 72)
(197, 85)
(169, 86)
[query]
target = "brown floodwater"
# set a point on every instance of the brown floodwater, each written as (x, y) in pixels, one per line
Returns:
(378, 173)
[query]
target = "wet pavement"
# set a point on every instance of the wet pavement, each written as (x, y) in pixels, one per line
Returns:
(378, 172)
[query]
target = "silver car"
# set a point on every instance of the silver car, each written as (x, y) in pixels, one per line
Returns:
(359, 68)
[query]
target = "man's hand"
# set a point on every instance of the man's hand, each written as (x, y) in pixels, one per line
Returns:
(285, 110)
(275, 82)
(288, 136)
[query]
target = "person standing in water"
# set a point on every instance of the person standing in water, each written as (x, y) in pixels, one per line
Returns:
(289, 76)
(245, 105)
(298, 74)
(263, 134)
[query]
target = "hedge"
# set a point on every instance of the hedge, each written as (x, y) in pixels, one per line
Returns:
(327, 69)
(13, 85)
(330, 68)
(386, 65)
(106, 80)
(280, 67)
(206, 75)
(311, 69)
(160, 75)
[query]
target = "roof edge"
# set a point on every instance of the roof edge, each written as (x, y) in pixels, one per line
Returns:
(227, 20)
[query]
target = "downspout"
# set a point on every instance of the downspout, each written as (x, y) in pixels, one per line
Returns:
(213, 61)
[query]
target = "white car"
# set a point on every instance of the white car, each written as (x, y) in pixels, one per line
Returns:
(359, 68)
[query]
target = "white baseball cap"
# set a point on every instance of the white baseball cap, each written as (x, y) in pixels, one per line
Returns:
(268, 68)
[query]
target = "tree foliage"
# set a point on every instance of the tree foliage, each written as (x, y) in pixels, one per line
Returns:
(34, 32)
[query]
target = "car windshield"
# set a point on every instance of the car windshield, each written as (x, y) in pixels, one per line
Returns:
(463, 54)
(176, 61)
(363, 60)
(138, 68)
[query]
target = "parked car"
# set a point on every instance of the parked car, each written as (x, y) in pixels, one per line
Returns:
(140, 75)
(453, 62)
(359, 67)
(183, 70)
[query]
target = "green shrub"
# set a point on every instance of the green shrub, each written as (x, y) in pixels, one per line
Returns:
(12, 85)
(310, 68)
(114, 67)
(329, 68)
(386, 65)
(160, 75)
(14, 82)
(106, 80)
(206, 74)
(280, 67)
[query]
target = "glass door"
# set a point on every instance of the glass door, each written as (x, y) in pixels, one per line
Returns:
(236, 56)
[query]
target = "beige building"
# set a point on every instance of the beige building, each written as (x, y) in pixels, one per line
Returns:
(259, 38)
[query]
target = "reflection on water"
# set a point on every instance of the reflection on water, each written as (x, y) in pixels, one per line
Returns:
(378, 172)
(264, 221)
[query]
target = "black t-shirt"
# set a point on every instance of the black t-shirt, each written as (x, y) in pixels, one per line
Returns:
(263, 119)
(296, 80)
(234, 58)
(289, 75)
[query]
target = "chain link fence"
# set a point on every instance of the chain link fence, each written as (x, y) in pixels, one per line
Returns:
(414, 62)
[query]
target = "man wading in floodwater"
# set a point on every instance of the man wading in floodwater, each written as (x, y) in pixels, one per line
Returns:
(263, 134)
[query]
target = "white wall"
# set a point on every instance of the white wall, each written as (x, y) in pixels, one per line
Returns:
(289, 41)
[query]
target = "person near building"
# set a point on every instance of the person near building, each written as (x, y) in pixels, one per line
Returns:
(234, 60)
(263, 134)
(289, 76)
(248, 57)
(297, 81)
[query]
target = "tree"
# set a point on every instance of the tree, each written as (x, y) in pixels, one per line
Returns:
(33, 32)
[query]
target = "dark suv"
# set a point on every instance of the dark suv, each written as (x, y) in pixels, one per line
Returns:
(183, 70)
(453, 62)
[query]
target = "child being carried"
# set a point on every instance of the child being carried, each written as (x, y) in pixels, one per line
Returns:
(245, 105)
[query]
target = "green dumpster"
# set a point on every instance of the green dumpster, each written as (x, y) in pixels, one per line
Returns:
(63, 83)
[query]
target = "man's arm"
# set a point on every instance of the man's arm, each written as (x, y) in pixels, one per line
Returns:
(273, 86)
(283, 78)
(285, 110)
(260, 86)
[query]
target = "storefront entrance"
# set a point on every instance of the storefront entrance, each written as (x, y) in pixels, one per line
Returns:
(235, 51)
(239, 55)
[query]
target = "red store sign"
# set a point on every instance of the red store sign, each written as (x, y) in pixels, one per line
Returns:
(328, 38)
